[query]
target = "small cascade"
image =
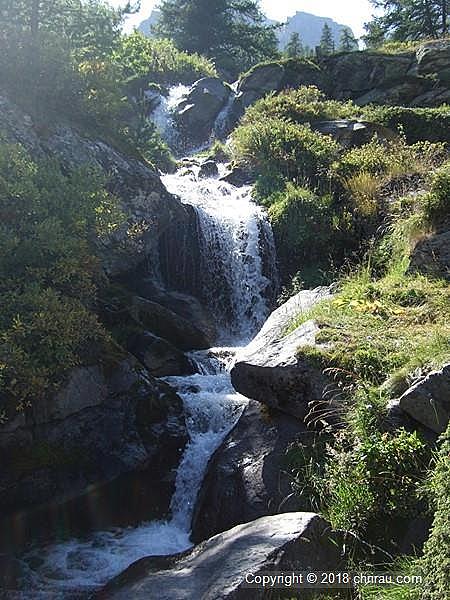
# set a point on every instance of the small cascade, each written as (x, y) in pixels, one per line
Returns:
(162, 115)
(237, 269)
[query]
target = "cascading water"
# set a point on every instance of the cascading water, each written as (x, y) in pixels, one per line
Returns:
(162, 115)
(236, 284)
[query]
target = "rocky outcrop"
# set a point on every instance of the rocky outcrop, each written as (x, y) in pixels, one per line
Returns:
(224, 566)
(197, 112)
(270, 368)
(434, 58)
(428, 401)
(246, 478)
(208, 168)
(431, 255)
(164, 323)
(159, 356)
(110, 427)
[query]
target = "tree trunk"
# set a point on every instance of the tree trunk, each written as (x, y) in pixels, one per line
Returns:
(444, 16)
(431, 25)
(34, 58)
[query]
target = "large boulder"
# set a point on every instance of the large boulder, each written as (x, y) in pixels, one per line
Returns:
(110, 428)
(225, 566)
(428, 401)
(159, 356)
(271, 370)
(165, 323)
(431, 255)
(197, 112)
(434, 58)
(246, 478)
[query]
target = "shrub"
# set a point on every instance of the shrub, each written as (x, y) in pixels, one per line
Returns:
(149, 60)
(436, 560)
(301, 105)
(284, 151)
(50, 225)
(432, 124)
(436, 204)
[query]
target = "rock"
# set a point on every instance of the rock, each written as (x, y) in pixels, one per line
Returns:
(159, 356)
(431, 255)
(238, 177)
(90, 453)
(218, 567)
(434, 58)
(428, 401)
(166, 324)
(198, 111)
(270, 369)
(353, 133)
(208, 168)
(11, 572)
(262, 79)
(245, 478)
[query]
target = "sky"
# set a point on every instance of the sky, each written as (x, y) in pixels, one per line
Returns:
(347, 12)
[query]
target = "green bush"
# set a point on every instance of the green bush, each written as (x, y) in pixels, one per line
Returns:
(432, 124)
(149, 60)
(282, 151)
(50, 226)
(301, 105)
(436, 560)
(436, 204)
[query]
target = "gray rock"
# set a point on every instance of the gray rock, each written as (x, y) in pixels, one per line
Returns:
(353, 133)
(238, 177)
(434, 58)
(167, 324)
(262, 79)
(132, 439)
(246, 479)
(198, 111)
(431, 255)
(159, 356)
(208, 168)
(217, 568)
(270, 369)
(428, 401)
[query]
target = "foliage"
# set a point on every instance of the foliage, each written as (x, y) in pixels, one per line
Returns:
(436, 560)
(50, 223)
(327, 45)
(436, 203)
(432, 124)
(302, 105)
(282, 151)
(294, 47)
(146, 60)
(348, 42)
(408, 20)
(231, 32)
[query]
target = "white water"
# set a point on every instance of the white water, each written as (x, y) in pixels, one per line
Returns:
(162, 114)
(232, 228)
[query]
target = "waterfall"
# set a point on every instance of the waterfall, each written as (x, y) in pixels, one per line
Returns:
(162, 115)
(237, 283)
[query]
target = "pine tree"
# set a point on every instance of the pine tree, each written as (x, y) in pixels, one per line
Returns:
(326, 40)
(348, 41)
(231, 32)
(294, 47)
(408, 20)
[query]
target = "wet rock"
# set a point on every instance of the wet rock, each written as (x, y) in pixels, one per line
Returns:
(198, 111)
(127, 433)
(245, 478)
(166, 324)
(270, 369)
(218, 567)
(159, 356)
(428, 401)
(238, 177)
(208, 168)
(431, 255)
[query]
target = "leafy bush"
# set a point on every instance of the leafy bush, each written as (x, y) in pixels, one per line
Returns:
(302, 105)
(283, 151)
(305, 225)
(432, 124)
(436, 204)
(148, 60)
(436, 560)
(50, 224)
